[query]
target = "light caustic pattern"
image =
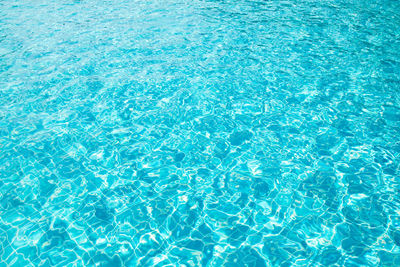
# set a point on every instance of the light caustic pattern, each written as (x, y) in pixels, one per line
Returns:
(200, 133)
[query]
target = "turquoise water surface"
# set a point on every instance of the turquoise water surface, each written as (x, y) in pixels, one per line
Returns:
(200, 133)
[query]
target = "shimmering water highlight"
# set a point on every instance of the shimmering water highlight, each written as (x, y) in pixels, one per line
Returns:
(200, 133)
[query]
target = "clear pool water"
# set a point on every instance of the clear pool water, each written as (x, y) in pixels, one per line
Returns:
(200, 133)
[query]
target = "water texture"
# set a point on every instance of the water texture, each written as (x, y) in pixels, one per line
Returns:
(200, 133)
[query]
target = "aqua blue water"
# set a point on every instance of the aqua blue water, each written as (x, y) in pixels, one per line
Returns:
(200, 133)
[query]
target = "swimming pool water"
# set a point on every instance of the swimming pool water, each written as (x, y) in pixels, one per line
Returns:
(200, 133)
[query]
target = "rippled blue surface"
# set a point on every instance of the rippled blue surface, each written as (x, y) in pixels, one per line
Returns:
(200, 133)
